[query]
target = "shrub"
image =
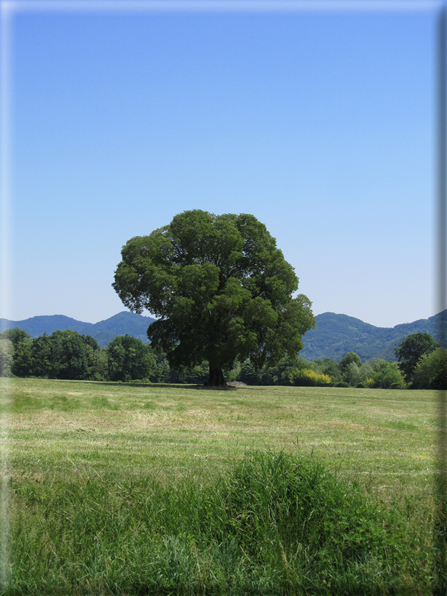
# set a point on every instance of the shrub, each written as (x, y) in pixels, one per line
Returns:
(309, 378)
(431, 371)
(129, 359)
(329, 367)
(386, 375)
(352, 374)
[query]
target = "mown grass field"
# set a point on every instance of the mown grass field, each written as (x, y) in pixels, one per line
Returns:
(117, 489)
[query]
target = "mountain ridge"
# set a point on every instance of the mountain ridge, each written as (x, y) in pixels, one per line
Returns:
(337, 334)
(334, 336)
(103, 331)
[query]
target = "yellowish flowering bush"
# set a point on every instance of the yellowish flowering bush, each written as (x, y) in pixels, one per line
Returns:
(309, 378)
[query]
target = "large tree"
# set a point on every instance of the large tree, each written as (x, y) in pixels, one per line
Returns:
(221, 289)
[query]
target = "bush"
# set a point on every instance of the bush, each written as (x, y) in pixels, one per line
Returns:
(431, 371)
(329, 367)
(129, 359)
(248, 374)
(352, 374)
(386, 375)
(275, 375)
(309, 378)
(193, 375)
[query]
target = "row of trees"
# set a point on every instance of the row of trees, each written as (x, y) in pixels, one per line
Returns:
(350, 372)
(69, 355)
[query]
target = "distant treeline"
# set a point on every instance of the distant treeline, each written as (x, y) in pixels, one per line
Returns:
(69, 355)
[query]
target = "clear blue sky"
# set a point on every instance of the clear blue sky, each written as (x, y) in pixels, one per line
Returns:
(320, 124)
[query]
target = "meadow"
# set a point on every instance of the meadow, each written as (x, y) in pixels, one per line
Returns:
(127, 489)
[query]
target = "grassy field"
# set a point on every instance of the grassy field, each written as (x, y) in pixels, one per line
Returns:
(98, 473)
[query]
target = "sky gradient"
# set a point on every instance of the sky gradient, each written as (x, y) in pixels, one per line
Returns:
(321, 124)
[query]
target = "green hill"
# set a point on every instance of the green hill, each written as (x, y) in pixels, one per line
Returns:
(335, 335)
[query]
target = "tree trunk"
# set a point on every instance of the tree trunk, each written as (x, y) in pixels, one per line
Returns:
(216, 378)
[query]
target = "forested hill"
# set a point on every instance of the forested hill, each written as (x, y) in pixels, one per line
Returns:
(335, 335)
(103, 332)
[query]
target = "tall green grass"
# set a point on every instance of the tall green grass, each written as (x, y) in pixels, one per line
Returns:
(272, 523)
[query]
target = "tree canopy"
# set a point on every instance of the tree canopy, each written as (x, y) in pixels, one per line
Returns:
(410, 351)
(129, 359)
(221, 289)
(348, 359)
(431, 371)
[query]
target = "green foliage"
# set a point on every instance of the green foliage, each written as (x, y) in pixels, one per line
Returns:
(275, 375)
(99, 369)
(411, 350)
(352, 374)
(61, 355)
(431, 371)
(328, 367)
(161, 371)
(22, 357)
(69, 358)
(14, 334)
(195, 375)
(6, 357)
(232, 374)
(385, 375)
(351, 357)
(249, 375)
(42, 357)
(221, 288)
(129, 359)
